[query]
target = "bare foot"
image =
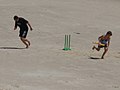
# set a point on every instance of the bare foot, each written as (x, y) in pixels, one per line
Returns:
(27, 46)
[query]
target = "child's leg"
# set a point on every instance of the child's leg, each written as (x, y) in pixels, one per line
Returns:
(105, 51)
(27, 41)
(24, 40)
(98, 49)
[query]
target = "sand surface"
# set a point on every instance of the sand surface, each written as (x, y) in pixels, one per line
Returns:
(45, 66)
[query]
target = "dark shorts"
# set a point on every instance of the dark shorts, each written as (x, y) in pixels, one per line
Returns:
(102, 46)
(23, 33)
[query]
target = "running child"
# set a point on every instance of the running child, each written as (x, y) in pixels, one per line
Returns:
(104, 39)
(23, 25)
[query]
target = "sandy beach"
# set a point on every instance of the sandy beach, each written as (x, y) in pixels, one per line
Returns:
(44, 65)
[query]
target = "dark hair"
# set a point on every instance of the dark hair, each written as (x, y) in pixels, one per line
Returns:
(15, 17)
(109, 32)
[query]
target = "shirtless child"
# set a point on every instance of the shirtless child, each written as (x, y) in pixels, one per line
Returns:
(104, 39)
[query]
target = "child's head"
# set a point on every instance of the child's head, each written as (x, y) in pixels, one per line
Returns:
(109, 33)
(16, 17)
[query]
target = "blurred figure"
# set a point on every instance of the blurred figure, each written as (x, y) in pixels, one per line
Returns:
(23, 25)
(103, 42)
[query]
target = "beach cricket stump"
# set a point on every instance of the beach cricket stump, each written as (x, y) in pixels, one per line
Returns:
(67, 42)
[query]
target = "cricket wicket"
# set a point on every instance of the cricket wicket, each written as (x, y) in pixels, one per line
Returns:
(67, 42)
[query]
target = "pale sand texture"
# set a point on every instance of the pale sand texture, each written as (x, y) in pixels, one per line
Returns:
(45, 66)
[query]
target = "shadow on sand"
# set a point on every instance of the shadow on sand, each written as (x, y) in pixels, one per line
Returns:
(11, 48)
(94, 58)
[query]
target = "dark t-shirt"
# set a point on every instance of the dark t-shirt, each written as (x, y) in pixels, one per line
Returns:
(22, 23)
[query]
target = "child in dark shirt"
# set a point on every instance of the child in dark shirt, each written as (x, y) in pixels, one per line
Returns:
(23, 25)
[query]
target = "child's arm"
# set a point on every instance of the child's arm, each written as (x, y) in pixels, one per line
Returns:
(15, 27)
(108, 42)
(100, 38)
(30, 26)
